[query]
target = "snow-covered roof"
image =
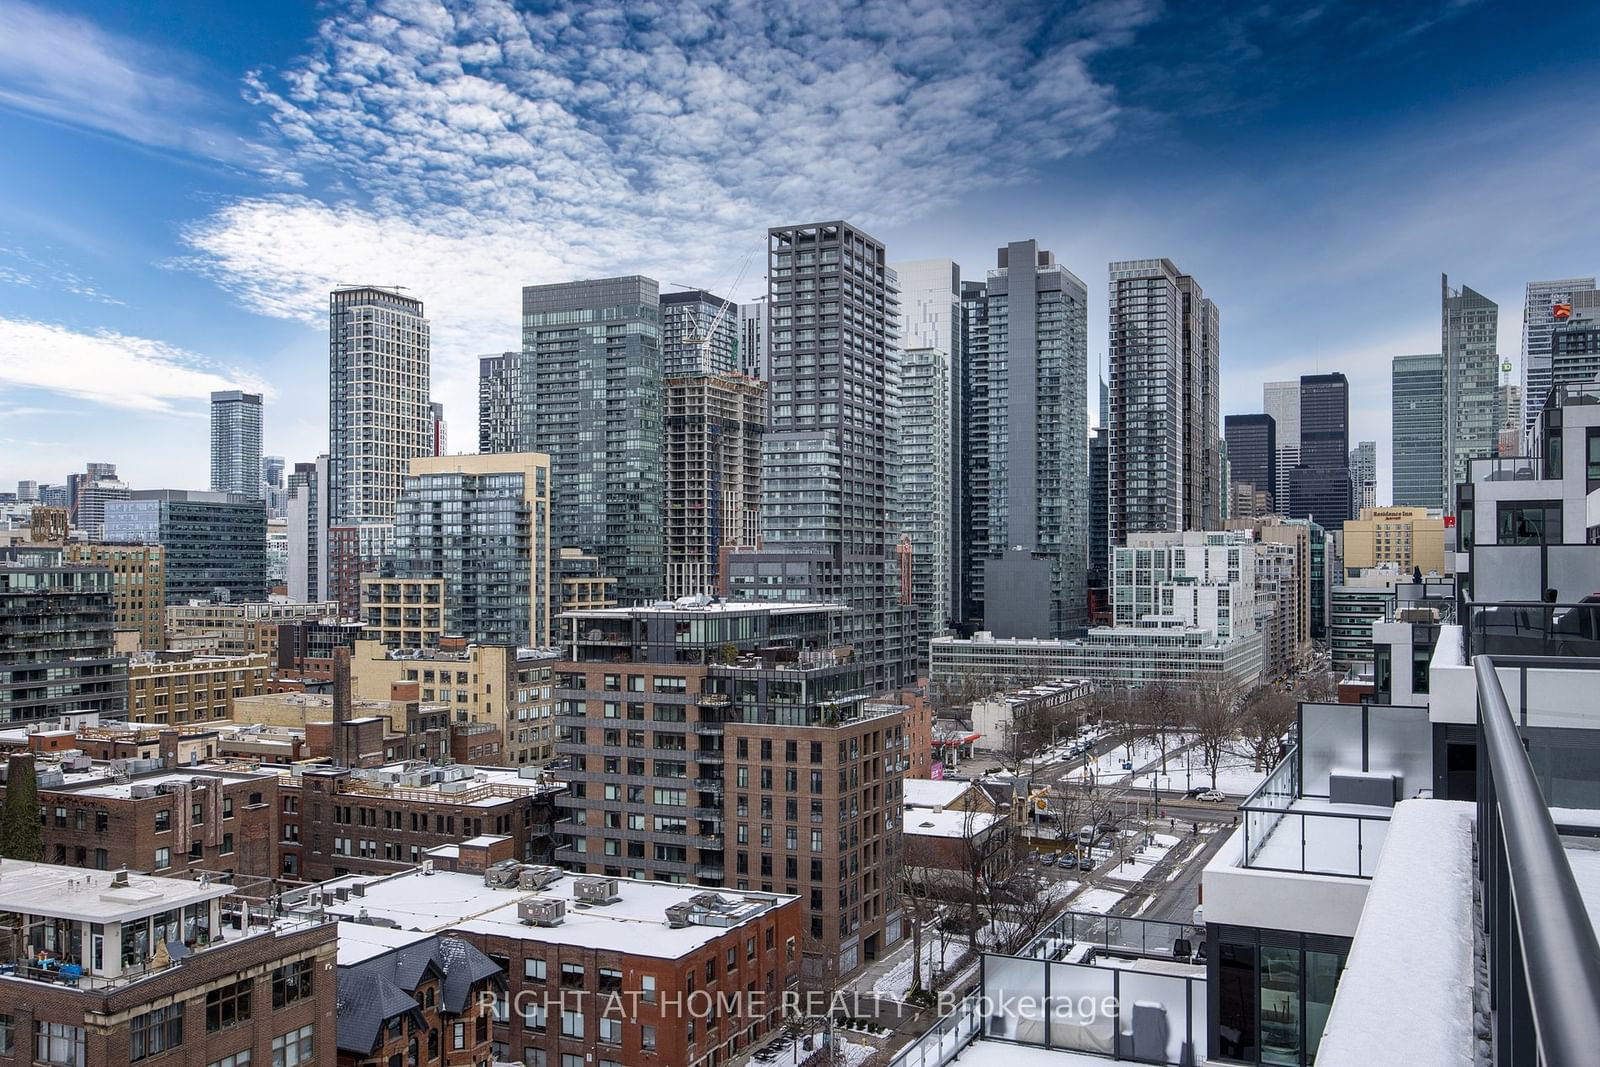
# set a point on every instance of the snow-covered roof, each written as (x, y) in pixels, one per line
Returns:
(636, 923)
(1416, 935)
(927, 793)
(925, 822)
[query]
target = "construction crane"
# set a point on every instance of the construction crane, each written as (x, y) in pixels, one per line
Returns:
(703, 339)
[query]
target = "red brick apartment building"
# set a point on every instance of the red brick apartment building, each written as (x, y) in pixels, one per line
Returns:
(104, 969)
(608, 970)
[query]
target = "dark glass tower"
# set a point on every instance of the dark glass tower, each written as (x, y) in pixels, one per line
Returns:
(1319, 488)
(1252, 450)
(591, 398)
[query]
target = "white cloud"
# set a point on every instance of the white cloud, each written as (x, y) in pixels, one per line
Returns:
(134, 373)
(70, 71)
(469, 148)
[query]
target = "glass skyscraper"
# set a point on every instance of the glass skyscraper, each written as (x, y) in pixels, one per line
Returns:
(215, 543)
(1417, 431)
(1029, 532)
(826, 490)
(699, 334)
(1469, 323)
(236, 419)
(498, 376)
(1319, 487)
(590, 398)
(1538, 320)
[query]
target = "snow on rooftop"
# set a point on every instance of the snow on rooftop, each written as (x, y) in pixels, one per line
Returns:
(925, 822)
(362, 941)
(636, 923)
(89, 896)
(1416, 936)
(1583, 856)
(927, 793)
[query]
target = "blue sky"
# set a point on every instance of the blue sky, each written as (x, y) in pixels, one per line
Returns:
(180, 183)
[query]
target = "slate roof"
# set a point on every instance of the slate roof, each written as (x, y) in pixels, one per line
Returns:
(379, 988)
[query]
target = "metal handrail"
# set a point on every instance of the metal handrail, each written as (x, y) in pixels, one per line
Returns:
(1560, 955)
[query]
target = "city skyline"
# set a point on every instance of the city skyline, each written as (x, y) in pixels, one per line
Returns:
(250, 211)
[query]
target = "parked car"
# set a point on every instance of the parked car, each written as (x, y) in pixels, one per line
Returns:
(1212, 796)
(1086, 863)
(1068, 861)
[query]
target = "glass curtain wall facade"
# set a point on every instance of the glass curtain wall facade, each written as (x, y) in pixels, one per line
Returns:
(1541, 308)
(1417, 431)
(1469, 323)
(236, 443)
(591, 398)
(497, 410)
(215, 543)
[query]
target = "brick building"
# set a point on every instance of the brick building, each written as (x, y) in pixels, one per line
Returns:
(416, 998)
(603, 970)
(108, 969)
(341, 821)
(138, 588)
(236, 628)
(135, 814)
(507, 687)
(175, 690)
(727, 744)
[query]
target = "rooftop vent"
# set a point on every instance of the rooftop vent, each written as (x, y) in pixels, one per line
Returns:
(542, 911)
(596, 890)
(502, 875)
(537, 877)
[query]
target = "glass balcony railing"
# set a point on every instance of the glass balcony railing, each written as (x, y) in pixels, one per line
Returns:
(1534, 629)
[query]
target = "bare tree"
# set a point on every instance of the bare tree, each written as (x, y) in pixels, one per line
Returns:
(1265, 716)
(1164, 711)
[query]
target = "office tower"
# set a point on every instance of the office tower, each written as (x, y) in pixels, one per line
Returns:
(94, 490)
(439, 436)
(481, 525)
(215, 543)
(974, 438)
(308, 532)
(753, 339)
(1508, 419)
(1319, 487)
(714, 424)
(273, 489)
(1252, 451)
(1545, 305)
(498, 378)
(57, 638)
(826, 481)
(930, 439)
(1099, 514)
(1575, 342)
(1281, 400)
(94, 472)
(591, 399)
(54, 496)
(699, 334)
(27, 492)
(769, 766)
(1468, 325)
(1164, 397)
(236, 421)
(1417, 431)
(1028, 543)
(1364, 476)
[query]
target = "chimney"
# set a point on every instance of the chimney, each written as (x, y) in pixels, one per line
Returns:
(341, 706)
(168, 740)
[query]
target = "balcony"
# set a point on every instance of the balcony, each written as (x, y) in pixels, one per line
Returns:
(1534, 629)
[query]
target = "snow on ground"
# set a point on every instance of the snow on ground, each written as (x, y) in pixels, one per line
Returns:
(1098, 901)
(852, 1053)
(896, 982)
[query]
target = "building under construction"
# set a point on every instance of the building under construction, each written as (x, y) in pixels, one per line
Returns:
(714, 424)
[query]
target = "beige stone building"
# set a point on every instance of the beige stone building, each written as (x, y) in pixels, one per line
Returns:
(509, 688)
(403, 612)
(1405, 537)
(176, 691)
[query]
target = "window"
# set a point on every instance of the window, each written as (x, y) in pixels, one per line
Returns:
(458, 1036)
(1528, 522)
(647, 987)
(155, 1032)
(238, 1059)
(611, 1031)
(227, 807)
(163, 821)
(163, 859)
(290, 983)
(8, 1035)
(228, 1006)
(533, 1017)
(572, 1024)
(533, 969)
(647, 1037)
(58, 1044)
(572, 976)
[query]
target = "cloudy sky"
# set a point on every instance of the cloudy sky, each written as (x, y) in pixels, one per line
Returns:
(181, 183)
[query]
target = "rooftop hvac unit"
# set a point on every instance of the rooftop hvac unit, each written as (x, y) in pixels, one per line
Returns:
(595, 890)
(537, 877)
(502, 875)
(542, 911)
(141, 791)
(680, 915)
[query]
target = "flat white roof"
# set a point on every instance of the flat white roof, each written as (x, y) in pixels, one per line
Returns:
(925, 822)
(362, 941)
(81, 895)
(927, 793)
(636, 924)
